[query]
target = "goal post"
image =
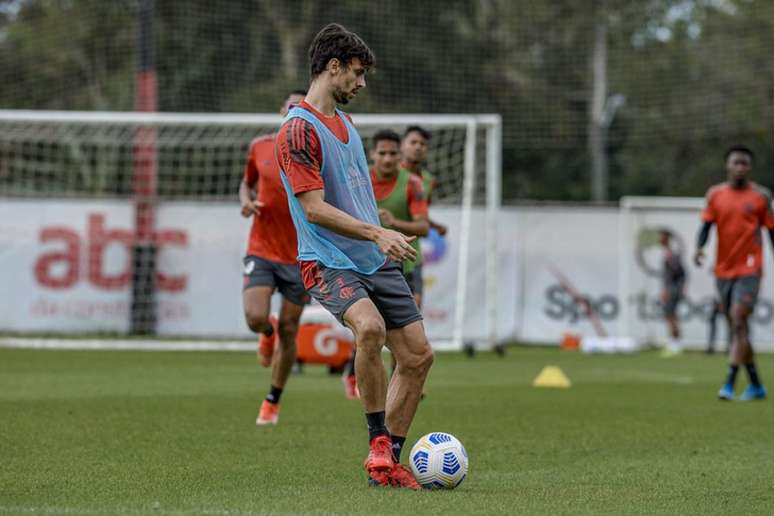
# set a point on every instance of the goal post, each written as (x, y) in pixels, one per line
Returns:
(57, 155)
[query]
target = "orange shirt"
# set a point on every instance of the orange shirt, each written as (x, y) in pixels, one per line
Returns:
(739, 215)
(272, 235)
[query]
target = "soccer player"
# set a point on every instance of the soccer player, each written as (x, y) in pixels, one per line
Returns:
(270, 264)
(739, 208)
(672, 293)
(414, 153)
(349, 262)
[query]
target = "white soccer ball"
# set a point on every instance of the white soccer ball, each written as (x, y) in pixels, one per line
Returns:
(439, 461)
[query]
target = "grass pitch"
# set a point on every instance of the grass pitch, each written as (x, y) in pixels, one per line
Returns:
(173, 433)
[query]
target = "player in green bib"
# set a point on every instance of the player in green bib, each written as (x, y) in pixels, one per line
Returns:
(400, 196)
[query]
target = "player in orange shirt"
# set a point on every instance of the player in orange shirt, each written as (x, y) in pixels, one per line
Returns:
(739, 208)
(270, 264)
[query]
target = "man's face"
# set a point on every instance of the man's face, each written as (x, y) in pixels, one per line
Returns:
(347, 80)
(663, 238)
(293, 98)
(414, 147)
(386, 157)
(738, 166)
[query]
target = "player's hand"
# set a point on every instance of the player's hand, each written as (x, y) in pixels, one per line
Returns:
(252, 208)
(698, 258)
(387, 218)
(395, 245)
(441, 228)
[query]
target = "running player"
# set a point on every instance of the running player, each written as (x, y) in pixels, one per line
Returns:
(349, 263)
(672, 293)
(271, 264)
(414, 153)
(740, 208)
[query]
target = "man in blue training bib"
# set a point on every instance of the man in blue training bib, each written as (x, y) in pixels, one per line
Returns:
(349, 263)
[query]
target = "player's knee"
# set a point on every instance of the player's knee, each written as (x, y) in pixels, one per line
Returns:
(256, 321)
(287, 328)
(419, 363)
(371, 334)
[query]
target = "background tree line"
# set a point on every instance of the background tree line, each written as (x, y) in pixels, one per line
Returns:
(658, 87)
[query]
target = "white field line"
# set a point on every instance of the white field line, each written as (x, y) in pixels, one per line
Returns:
(126, 344)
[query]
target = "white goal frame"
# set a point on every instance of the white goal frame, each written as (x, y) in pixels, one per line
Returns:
(490, 124)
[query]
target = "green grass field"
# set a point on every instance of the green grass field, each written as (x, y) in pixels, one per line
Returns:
(173, 433)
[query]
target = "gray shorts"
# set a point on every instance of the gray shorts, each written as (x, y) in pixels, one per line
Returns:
(742, 290)
(415, 280)
(338, 289)
(673, 298)
(285, 277)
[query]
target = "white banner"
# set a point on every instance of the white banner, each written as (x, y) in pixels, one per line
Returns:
(74, 276)
(65, 267)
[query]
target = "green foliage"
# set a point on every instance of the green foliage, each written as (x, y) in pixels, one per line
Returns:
(696, 75)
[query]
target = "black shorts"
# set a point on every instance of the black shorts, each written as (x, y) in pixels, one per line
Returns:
(415, 280)
(338, 289)
(742, 290)
(285, 277)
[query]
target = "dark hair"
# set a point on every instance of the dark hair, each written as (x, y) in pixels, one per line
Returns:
(297, 92)
(416, 128)
(336, 42)
(386, 134)
(739, 148)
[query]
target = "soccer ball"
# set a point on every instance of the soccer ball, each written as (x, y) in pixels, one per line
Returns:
(439, 461)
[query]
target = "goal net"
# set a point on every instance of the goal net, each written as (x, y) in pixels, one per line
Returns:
(128, 222)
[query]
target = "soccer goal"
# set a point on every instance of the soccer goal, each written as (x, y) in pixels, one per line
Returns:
(122, 222)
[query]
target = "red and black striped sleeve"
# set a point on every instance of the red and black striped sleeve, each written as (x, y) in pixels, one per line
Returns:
(299, 155)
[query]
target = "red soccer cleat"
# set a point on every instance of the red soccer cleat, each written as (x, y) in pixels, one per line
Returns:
(380, 455)
(400, 476)
(350, 387)
(266, 344)
(269, 414)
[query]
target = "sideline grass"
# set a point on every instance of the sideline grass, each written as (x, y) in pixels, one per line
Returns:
(87, 432)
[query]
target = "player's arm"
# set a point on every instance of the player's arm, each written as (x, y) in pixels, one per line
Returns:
(417, 226)
(392, 243)
(247, 195)
(707, 219)
(441, 228)
(701, 241)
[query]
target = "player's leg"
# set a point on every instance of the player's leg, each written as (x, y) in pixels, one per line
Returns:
(282, 361)
(671, 301)
(343, 293)
(712, 322)
(414, 357)
(745, 296)
(406, 339)
(725, 287)
(349, 378)
(368, 327)
(259, 285)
